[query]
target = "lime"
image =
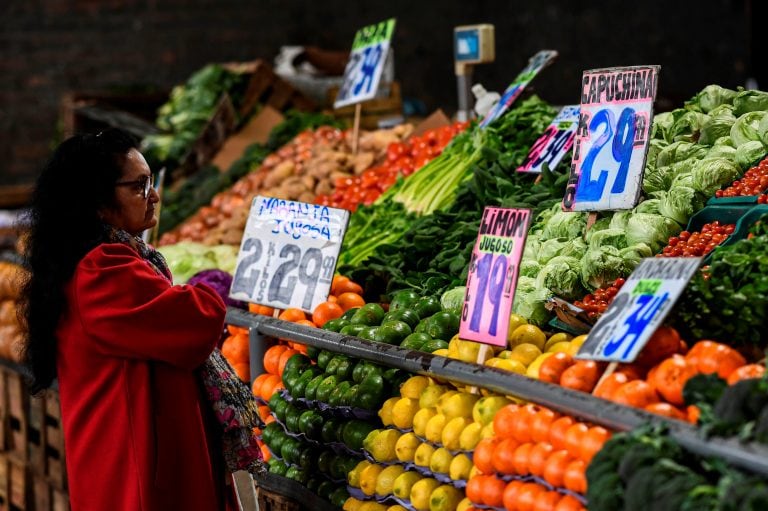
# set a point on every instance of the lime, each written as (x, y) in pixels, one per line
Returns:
(338, 497)
(434, 345)
(311, 423)
(352, 330)
(369, 314)
(279, 408)
(277, 466)
(373, 383)
(337, 395)
(307, 458)
(335, 325)
(415, 341)
(311, 388)
(324, 461)
(443, 325)
(297, 474)
(404, 299)
(290, 450)
(324, 358)
(366, 400)
(325, 489)
(427, 306)
(405, 315)
(368, 333)
(354, 433)
(326, 387)
(330, 431)
(292, 415)
(392, 332)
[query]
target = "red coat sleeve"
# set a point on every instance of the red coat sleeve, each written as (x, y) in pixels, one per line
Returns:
(132, 312)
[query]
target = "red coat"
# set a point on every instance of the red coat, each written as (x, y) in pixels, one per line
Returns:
(129, 342)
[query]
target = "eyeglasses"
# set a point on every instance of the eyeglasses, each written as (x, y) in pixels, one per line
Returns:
(144, 184)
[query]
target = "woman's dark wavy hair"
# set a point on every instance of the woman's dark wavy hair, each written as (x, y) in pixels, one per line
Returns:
(76, 183)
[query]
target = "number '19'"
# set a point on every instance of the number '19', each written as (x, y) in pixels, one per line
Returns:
(491, 276)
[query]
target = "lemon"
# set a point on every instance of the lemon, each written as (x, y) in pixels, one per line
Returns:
(460, 467)
(421, 491)
(533, 369)
(403, 412)
(474, 472)
(386, 480)
(515, 320)
(430, 395)
(406, 446)
(442, 352)
(558, 337)
(372, 506)
(368, 478)
(445, 498)
(464, 505)
(385, 414)
(527, 334)
(382, 447)
(452, 431)
(397, 507)
(402, 486)
(579, 340)
(443, 398)
(453, 346)
(468, 350)
(413, 386)
(352, 504)
(440, 462)
(510, 365)
(458, 405)
(487, 431)
(575, 345)
(559, 346)
(470, 436)
(353, 477)
(423, 454)
(505, 354)
(434, 430)
(485, 409)
(525, 353)
(420, 420)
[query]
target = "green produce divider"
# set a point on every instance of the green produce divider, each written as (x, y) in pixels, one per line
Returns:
(753, 457)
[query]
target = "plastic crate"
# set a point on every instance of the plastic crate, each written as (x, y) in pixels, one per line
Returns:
(742, 214)
(271, 501)
(727, 201)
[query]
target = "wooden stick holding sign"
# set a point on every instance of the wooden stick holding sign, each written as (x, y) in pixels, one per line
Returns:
(356, 128)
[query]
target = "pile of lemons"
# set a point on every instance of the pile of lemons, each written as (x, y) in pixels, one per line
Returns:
(443, 421)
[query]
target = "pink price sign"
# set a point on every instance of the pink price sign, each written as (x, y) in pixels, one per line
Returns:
(493, 274)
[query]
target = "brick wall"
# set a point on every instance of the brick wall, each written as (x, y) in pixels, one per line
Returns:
(48, 47)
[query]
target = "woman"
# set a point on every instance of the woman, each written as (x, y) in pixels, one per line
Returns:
(104, 318)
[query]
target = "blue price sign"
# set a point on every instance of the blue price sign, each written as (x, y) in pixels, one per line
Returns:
(288, 253)
(639, 309)
(538, 62)
(366, 63)
(612, 138)
(555, 143)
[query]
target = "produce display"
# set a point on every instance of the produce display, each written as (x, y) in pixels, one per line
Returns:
(11, 279)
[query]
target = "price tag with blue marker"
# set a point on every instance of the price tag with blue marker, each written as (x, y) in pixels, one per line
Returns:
(555, 143)
(612, 138)
(366, 63)
(639, 309)
(288, 253)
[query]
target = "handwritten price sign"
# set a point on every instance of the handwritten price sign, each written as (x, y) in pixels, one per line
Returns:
(366, 63)
(288, 253)
(639, 309)
(555, 143)
(611, 139)
(538, 62)
(492, 277)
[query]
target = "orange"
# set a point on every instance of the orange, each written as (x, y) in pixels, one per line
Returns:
(637, 393)
(284, 356)
(272, 358)
(541, 423)
(263, 412)
(574, 437)
(483, 455)
(692, 413)
(347, 286)
(504, 421)
(236, 349)
(569, 503)
(243, 371)
(575, 478)
(260, 309)
(492, 491)
(510, 495)
(592, 442)
(306, 322)
(270, 419)
(666, 410)
(746, 372)
(256, 387)
(265, 454)
(350, 301)
(504, 455)
(537, 458)
(332, 299)
(474, 489)
(557, 431)
(546, 501)
(338, 281)
(669, 377)
(582, 375)
(236, 330)
(269, 386)
(554, 468)
(528, 495)
(292, 315)
(608, 386)
(521, 427)
(521, 456)
(325, 312)
(553, 367)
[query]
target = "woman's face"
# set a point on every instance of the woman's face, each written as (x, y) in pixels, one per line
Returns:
(132, 212)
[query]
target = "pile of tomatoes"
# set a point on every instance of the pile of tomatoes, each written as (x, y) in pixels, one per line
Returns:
(698, 244)
(403, 159)
(753, 182)
(596, 303)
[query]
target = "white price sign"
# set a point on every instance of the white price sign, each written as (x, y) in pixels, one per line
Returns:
(366, 63)
(288, 254)
(612, 138)
(638, 309)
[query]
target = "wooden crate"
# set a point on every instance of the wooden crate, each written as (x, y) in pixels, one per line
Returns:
(55, 464)
(36, 434)
(267, 88)
(271, 501)
(18, 409)
(4, 483)
(372, 111)
(59, 500)
(41, 493)
(19, 485)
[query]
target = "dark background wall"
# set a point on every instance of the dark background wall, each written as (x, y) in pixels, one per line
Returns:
(48, 47)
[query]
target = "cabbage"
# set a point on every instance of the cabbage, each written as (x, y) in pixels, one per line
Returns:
(530, 301)
(653, 230)
(712, 97)
(601, 266)
(226, 257)
(711, 174)
(749, 153)
(746, 127)
(562, 276)
(654, 148)
(647, 206)
(688, 126)
(716, 127)
(608, 237)
(549, 249)
(529, 268)
(762, 130)
(679, 151)
(725, 141)
(657, 179)
(750, 101)
(682, 179)
(186, 259)
(633, 255)
(453, 299)
(620, 218)
(564, 224)
(680, 203)
(662, 124)
(574, 248)
(220, 281)
(722, 151)
(542, 218)
(599, 225)
(532, 245)
(525, 285)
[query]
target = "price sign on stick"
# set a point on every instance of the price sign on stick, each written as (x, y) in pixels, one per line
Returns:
(611, 139)
(366, 63)
(638, 309)
(492, 277)
(555, 143)
(288, 253)
(538, 62)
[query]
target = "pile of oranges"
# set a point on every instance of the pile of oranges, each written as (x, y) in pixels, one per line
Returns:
(536, 460)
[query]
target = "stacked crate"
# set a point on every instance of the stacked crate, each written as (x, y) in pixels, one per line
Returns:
(32, 469)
